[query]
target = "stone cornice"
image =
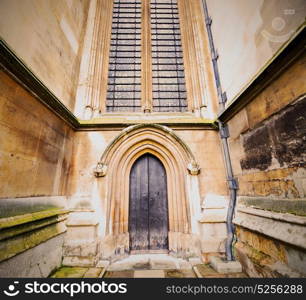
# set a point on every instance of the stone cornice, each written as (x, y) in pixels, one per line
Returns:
(13, 65)
(10, 62)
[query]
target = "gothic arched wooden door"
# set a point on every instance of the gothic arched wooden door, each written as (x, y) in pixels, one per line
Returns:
(148, 205)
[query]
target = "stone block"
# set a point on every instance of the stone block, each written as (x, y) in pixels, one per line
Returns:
(70, 272)
(131, 262)
(93, 273)
(238, 124)
(225, 266)
(78, 261)
(213, 230)
(183, 264)
(194, 261)
(80, 248)
(36, 262)
(81, 232)
(25, 205)
(213, 215)
(282, 205)
(284, 227)
(163, 262)
(215, 201)
(183, 273)
(258, 264)
(213, 245)
(82, 218)
(205, 271)
(149, 274)
(102, 264)
(206, 256)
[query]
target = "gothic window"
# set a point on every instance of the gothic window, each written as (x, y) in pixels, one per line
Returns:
(169, 93)
(124, 77)
(146, 61)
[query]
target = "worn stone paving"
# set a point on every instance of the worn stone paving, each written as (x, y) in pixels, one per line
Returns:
(148, 266)
(78, 272)
(175, 273)
(149, 261)
(206, 271)
(199, 271)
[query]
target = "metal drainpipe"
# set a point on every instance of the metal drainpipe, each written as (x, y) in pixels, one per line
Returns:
(223, 130)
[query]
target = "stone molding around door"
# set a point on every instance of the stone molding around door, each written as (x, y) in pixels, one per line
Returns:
(115, 166)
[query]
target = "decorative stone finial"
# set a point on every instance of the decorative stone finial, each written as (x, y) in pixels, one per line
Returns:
(193, 168)
(100, 169)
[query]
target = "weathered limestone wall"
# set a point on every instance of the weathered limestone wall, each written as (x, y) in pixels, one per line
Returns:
(36, 145)
(248, 33)
(267, 147)
(48, 36)
(87, 203)
(35, 156)
(36, 262)
(267, 139)
(89, 146)
(31, 244)
(88, 194)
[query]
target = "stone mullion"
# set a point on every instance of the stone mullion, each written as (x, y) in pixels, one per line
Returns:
(107, 14)
(95, 63)
(91, 92)
(146, 57)
(188, 21)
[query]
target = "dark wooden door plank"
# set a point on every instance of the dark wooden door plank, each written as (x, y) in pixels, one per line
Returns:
(158, 212)
(148, 209)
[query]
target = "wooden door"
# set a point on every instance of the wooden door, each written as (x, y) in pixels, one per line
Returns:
(148, 209)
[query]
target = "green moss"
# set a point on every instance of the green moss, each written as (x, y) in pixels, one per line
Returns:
(69, 272)
(295, 207)
(173, 274)
(256, 255)
(13, 246)
(26, 218)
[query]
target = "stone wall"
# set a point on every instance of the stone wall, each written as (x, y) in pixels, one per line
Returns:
(267, 147)
(35, 157)
(89, 146)
(207, 193)
(48, 36)
(36, 145)
(31, 244)
(267, 139)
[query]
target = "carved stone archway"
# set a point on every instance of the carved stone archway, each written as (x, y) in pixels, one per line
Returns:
(116, 163)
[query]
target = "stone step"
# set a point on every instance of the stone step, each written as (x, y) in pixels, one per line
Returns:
(151, 274)
(206, 271)
(149, 262)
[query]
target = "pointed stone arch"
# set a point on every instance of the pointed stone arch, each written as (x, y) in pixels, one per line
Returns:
(116, 163)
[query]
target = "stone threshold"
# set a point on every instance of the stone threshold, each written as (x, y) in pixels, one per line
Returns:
(169, 273)
(206, 271)
(83, 272)
(151, 261)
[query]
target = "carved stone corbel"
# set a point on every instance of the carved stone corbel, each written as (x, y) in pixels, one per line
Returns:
(100, 169)
(193, 168)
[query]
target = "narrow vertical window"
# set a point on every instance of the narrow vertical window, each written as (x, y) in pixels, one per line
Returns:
(124, 77)
(169, 92)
